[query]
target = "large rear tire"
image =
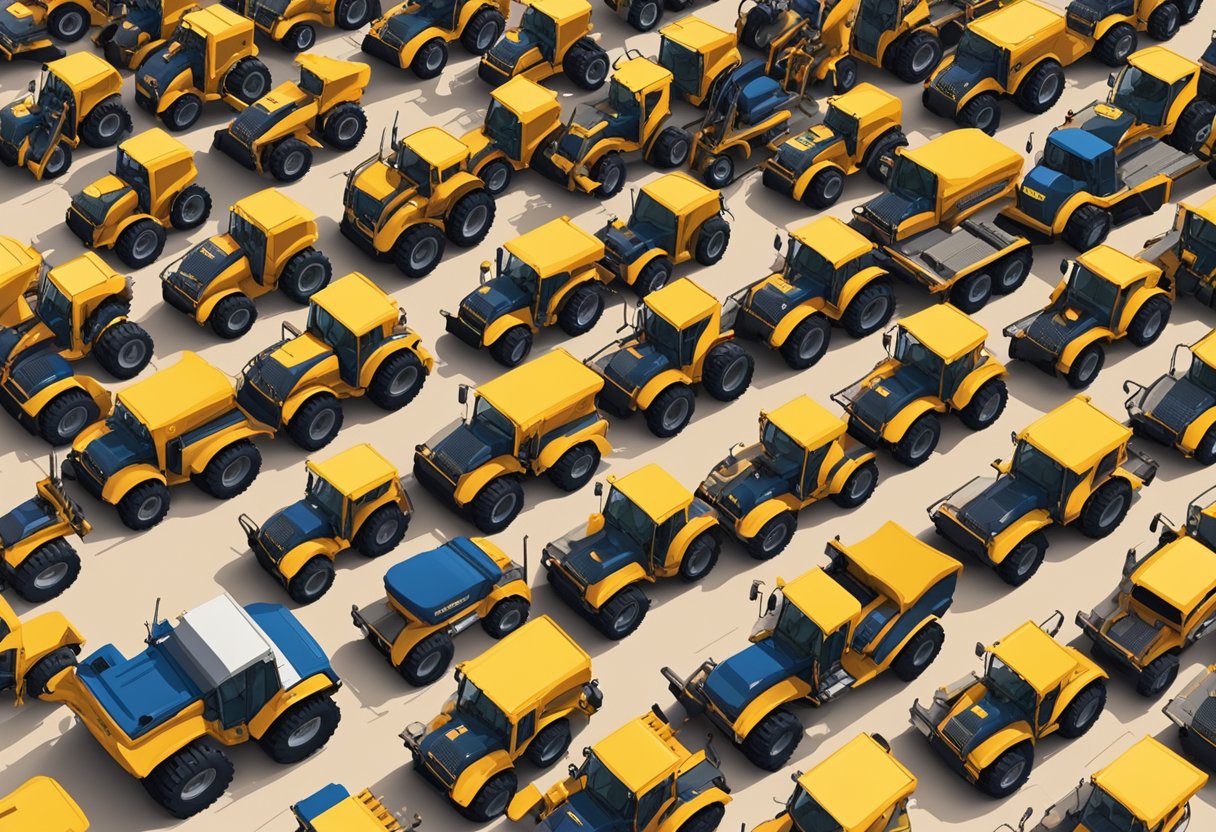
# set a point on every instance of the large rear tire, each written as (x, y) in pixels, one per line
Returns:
(428, 660)
(66, 415)
(397, 381)
(919, 652)
(772, 742)
(232, 470)
(46, 572)
(306, 273)
(728, 372)
(190, 780)
(302, 730)
(124, 349)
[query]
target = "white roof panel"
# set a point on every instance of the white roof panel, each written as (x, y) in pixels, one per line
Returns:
(223, 640)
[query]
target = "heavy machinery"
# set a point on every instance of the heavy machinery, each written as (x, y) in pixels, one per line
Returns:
(354, 500)
(514, 700)
(80, 308)
(1164, 603)
(829, 274)
(803, 456)
(875, 607)
(1114, 24)
(161, 714)
(356, 343)
(680, 338)
(553, 36)
(416, 33)
(78, 99)
(152, 189)
(640, 775)
(293, 24)
(37, 560)
(549, 275)
(41, 803)
(813, 47)
(522, 119)
(936, 363)
(673, 220)
(138, 27)
(34, 651)
(1105, 296)
(538, 418)
(909, 39)
(1179, 408)
(434, 596)
(860, 787)
(699, 56)
(400, 205)
(986, 727)
(649, 527)
(1072, 466)
(859, 131)
(588, 154)
(645, 15)
(20, 271)
(1191, 711)
(211, 56)
(924, 226)
(277, 133)
(24, 24)
(268, 246)
(333, 808)
(1187, 252)
(180, 424)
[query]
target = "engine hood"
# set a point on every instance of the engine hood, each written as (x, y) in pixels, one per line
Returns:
(160, 71)
(800, 152)
(287, 528)
(20, 25)
(772, 301)
(958, 77)
(97, 200)
(493, 299)
(1043, 191)
(740, 494)
(115, 450)
(885, 398)
(886, 212)
(511, 50)
(734, 683)
(1106, 121)
(970, 728)
(458, 744)
(203, 264)
(1052, 330)
(466, 448)
(1176, 402)
(400, 29)
(580, 813)
(18, 120)
(591, 559)
(632, 366)
(626, 243)
(1005, 500)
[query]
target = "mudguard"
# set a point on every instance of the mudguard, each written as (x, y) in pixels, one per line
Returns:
(408, 638)
(1195, 430)
(203, 311)
(1066, 208)
(897, 427)
(787, 690)
(470, 781)
(296, 400)
(858, 282)
(634, 269)
(1091, 673)
(499, 326)
(1136, 301)
(279, 30)
(46, 633)
(411, 341)
(976, 379)
(471, 483)
(795, 316)
(316, 684)
(804, 181)
(1016, 532)
(845, 470)
(986, 753)
(985, 84)
(16, 554)
(658, 384)
(894, 652)
(598, 594)
(675, 821)
(684, 537)
(117, 486)
(101, 397)
(755, 519)
(294, 560)
(596, 434)
(1073, 348)
(113, 233)
(166, 99)
(404, 215)
(209, 448)
(586, 276)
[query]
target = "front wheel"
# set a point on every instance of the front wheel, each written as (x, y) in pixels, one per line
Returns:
(507, 616)
(772, 742)
(1083, 711)
(300, 38)
(190, 780)
(418, 250)
(302, 730)
(1023, 560)
(46, 572)
(124, 349)
(858, 487)
(143, 506)
(1008, 772)
(824, 189)
(1157, 676)
(869, 310)
(428, 660)
(140, 243)
(807, 342)
(482, 31)
(917, 57)
(430, 59)
(671, 410)
(396, 381)
(773, 536)
(986, 405)
(621, 614)
(513, 346)
(312, 580)
(492, 800)
(289, 160)
(38, 678)
(972, 293)
(233, 316)
(67, 415)
(700, 557)
(919, 440)
(1149, 321)
(497, 504)
(1086, 366)
(183, 112)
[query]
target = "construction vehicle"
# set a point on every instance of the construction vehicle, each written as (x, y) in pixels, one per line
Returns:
(277, 133)
(813, 47)
(333, 808)
(673, 220)
(699, 56)
(1187, 252)
(680, 338)
(38, 562)
(874, 607)
(1146, 787)
(180, 424)
(1179, 408)
(66, 20)
(354, 500)
(20, 271)
(588, 154)
(645, 15)
(268, 246)
(400, 205)
(81, 308)
(1072, 466)
(24, 35)
(910, 39)
(986, 727)
(78, 99)
(211, 56)
(1191, 710)
(650, 527)
(924, 224)
(830, 793)
(522, 118)
(152, 189)
(415, 35)
(138, 27)
(514, 700)
(937, 362)
(161, 716)
(41, 803)
(1115, 26)
(640, 775)
(803, 456)
(859, 131)
(1105, 296)
(538, 418)
(552, 36)
(34, 651)
(434, 596)
(294, 25)
(356, 343)
(549, 275)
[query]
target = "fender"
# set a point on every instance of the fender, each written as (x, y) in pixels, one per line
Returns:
(294, 560)
(898, 426)
(990, 749)
(781, 332)
(895, 651)
(784, 823)
(296, 400)
(209, 448)
(279, 30)
(1073, 348)
(706, 523)
(477, 144)
(1019, 530)
(586, 276)
(409, 637)
(117, 486)
(688, 808)
(558, 446)
(404, 214)
(1138, 300)
(804, 181)
(514, 589)
(470, 781)
(172, 94)
(787, 690)
(470, 9)
(411, 341)
(1195, 431)
(978, 377)
(16, 554)
(499, 326)
(471, 483)
(447, 194)
(1091, 673)
(658, 384)
(1067, 207)
(1105, 24)
(115, 231)
(985, 84)
(858, 282)
(100, 396)
(316, 684)
(598, 594)
(45, 633)
(755, 519)
(634, 269)
(203, 311)
(845, 470)
(302, 134)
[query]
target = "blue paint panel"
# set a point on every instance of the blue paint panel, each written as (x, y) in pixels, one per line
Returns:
(317, 804)
(734, 683)
(295, 642)
(1007, 499)
(934, 602)
(436, 584)
(138, 693)
(24, 520)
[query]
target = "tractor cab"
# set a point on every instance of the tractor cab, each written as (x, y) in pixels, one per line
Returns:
(1196, 250)
(1097, 286)
(69, 308)
(1176, 409)
(136, 27)
(1201, 520)
(547, 23)
(20, 273)
(639, 97)
(424, 159)
(263, 227)
(41, 803)
(520, 115)
(1072, 154)
(697, 54)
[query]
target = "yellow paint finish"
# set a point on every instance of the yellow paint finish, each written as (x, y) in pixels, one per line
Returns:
(789, 689)
(1151, 781)
(1182, 573)
(357, 303)
(833, 240)
(543, 389)
(806, 422)
(945, 330)
(190, 391)
(899, 564)
(859, 783)
(1037, 657)
(964, 161)
(41, 805)
(822, 599)
(470, 781)
(1076, 434)
(637, 74)
(655, 491)
(557, 247)
(640, 753)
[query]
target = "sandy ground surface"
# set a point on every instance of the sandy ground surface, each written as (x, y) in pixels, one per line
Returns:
(200, 551)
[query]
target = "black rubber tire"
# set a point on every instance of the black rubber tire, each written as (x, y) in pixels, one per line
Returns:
(231, 470)
(166, 783)
(1205, 451)
(972, 293)
(312, 580)
(1193, 127)
(490, 511)
(106, 123)
(1149, 321)
(575, 467)
(807, 342)
(66, 415)
(124, 349)
(700, 557)
(713, 238)
(904, 63)
(550, 744)
(1155, 678)
(465, 211)
(183, 112)
(919, 652)
(999, 780)
(38, 678)
(299, 38)
(483, 30)
(58, 164)
(786, 522)
(144, 505)
(859, 487)
(824, 189)
(982, 112)
(381, 532)
(719, 171)
(248, 81)
(672, 148)
(306, 273)
(858, 319)
(1041, 88)
(397, 381)
(644, 15)
(1023, 560)
(986, 405)
(492, 799)
(513, 346)
(1164, 22)
(609, 170)
(416, 660)
(505, 617)
(349, 17)
(623, 613)
(844, 75)
(727, 372)
(707, 819)
(581, 311)
(1105, 509)
(419, 250)
(1087, 226)
(1190, 9)
(1011, 271)
(653, 276)
(188, 199)
(496, 175)
(140, 243)
(233, 316)
(586, 64)
(884, 146)
(1083, 711)
(345, 126)
(68, 23)
(289, 160)
(919, 440)
(46, 572)
(290, 738)
(754, 34)
(773, 740)
(430, 59)
(317, 422)
(676, 400)
(1084, 370)
(1113, 47)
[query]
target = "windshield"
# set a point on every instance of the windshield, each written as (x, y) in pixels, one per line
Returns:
(1141, 95)
(190, 40)
(974, 49)
(661, 334)
(502, 128)
(650, 212)
(329, 329)
(413, 167)
(797, 633)
(1102, 813)
(684, 64)
(541, 26)
(131, 171)
(606, 789)
(1032, 464)
(485, 416)
(625, 516)
(122, 420)
(808, 815)
(1202, 374)
(473, 703)
(782, 454)
(621, 99)
(840, 122)
(1056, 158)
(244, 232)
(909, 351)
(805, 264)
(54, 309)
(324, 496)
(520, 273)
(1090, 293)
(1158, 605)
(1004, 682)
(1198, 231)
(912, 181)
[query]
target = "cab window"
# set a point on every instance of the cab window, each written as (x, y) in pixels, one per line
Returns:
(1107, 466)
(652, 101)
(652, 802)
(525, 728)
(1047, 705)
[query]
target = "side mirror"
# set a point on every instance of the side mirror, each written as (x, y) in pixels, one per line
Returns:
(498, 257)
(996, 464)
(1013, 436)
(980, 650)
(1154, 523)
(796, 776)
(598, 489)
(462, 394)
(1063, 265)
(572, 770)
(1030, 143)
(33, 85)
(1110, 80)
(886, 340)
(777, 242)
(1129, 563)
(486, 265)
(754, 592)
(586, 751)
(772, 603)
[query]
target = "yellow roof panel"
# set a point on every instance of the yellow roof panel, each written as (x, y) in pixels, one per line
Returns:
(833, 239)
(682, 303)
(904, 566)
(552, 382)
(178, 390)
(807, 422)
(40, 804)
(556, 247)
(334, 69)
(524, 97)
(858, 783)
(1204, 349)
(272, 209)
(864, 99)
(357, 303)
(822, 600)
(1207, 209)
(81, 274)
(1162, 63)
(1119, 268)
(1076, 434)
(679, 193)
(655, 491)
(1182, 573)
(637, 754)
(216, 20)
(355, 470)
(153, 146)
(1036, 657)
(945, 330)
(697, 34)
(16, 256)
(962, 155)
(351, 815)
(437, 146)
(1150, 780)
(1016, 23)
(82, 67)
(639, 73)
(528, 664)
(562, 10)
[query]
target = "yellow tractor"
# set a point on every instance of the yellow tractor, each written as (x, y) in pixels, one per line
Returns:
(79, 99)
(680, 338)
(153, 188)
(416, 33)
(552, 36)
(699, 56)
(1187, 252)
(293, 23)
(401, 205)
(1114, 24)
(20, 271)
(268, 246)
(25, 23)
(33, 652)
(277, 133)
(356, 344)
(909, 39)
(137, 27)
(522, 119)
(211, 56)
(41, 803)
(1179, 408)
(36, 559)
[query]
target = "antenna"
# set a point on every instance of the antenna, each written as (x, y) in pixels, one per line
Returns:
(394, 142)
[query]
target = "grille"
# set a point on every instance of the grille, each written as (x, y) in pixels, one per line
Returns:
(390, 37)
(278, 533)
(80, 226)
(579, 565)
(254, 121)
(30, 373)
(960, 730)
(1132, 634)
(951, 529)
(265, 18)
(1205, 718)
(1049, 335)
(478, 308)
(443, 759)
(1180, 405)
(886, 210)
(275, 380)
(769, 305)
(948, 88)
(453, 460)
(87, 476)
